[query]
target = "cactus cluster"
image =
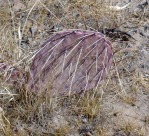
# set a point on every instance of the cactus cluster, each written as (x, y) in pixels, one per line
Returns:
(70, 62)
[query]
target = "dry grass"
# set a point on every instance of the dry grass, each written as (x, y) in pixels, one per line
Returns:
(24, 113)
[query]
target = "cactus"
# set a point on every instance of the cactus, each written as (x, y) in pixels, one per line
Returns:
(12, 75)
(70, 62)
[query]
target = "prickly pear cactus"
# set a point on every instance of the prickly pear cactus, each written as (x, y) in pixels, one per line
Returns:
(70, 62)
(11, 75)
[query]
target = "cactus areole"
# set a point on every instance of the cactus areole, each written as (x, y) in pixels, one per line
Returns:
(70, 62)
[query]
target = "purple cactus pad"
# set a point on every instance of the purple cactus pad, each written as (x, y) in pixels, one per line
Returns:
(70, 62)
(12, 75)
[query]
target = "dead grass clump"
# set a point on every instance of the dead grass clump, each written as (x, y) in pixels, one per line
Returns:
(129, 128)
(88, 106)
(4, 13)
(5, 126)
(29, 113)
(91, 15)
(62, 131)
(129, 100)
(100, 131)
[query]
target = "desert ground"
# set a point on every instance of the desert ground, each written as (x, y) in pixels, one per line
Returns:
(120, 107)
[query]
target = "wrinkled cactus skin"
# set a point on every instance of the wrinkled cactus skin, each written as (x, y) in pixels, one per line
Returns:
(70, 62)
